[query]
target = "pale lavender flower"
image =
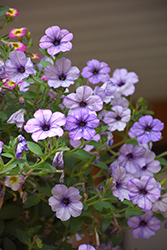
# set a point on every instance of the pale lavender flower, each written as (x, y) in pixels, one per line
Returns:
(81, 124)
(96, 71)
(151, 166)
(119, 100)
(56, 40)
(83, 98)
(24, 85)
(124, 81)
(1, 147)
(18, 66)
(21, 146)
(110, 140)
(61, 74)
(86, 247)
(131, 157)
(87, 148)
(161, 204)
(147, 129)
(144, 226)
(14, 181)
(65, 201)
(45, 124)
(144, 191)
(117, 118)
(18, 118)
(120, 179)
(58, 160)
(106, 91)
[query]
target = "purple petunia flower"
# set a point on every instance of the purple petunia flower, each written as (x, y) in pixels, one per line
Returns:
(120, 179)
(58, 160)
(144, 191)
(119, 100)
(83, 98)
(124, 81)
(86, 247)
(18, 118)
(1, 147)
(18, 66)
(131, 157)
(45, 124)
(61, 74)
(96, 71)
(147, 129)
(81, 124)
(117, 118)
(56, 40)
(106, 91)
(161, 204)
(65, 201)
(21, 146)
(144, 226)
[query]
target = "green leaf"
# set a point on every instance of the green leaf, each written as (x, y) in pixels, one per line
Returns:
(22, 236)
(63, 149)
(102, 165)
(159, 216)
(31, 95)
(106, 221)
(117, 239)
(34, 148)
(45, 167)
(76, 224)
(8, 244)
(10, 167)
(10, 212)
(82, 154)
(3, 116)
(38, 79)
(7, 155)
(103, 204)
(45, 63)
(31, 201)
(131, 212)
(3, 10)
(127, 202)
(162, 161)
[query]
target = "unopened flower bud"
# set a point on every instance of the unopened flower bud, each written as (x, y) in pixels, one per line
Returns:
(58, 160)
(18, 118)
(21, 146)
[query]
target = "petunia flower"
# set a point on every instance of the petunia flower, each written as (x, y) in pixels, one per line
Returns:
(117, 118)
(161, 204)
(17, 32)
(144, 191)
(18, 118)
(144, 226)
(83, 98)
(81, 124)
(106, 91)
(96, 71)
(124, 81)
(12, 12)
(21, 146)
(62, 74)
(58, 160)
(147, 129)
(56, 40)
(65, 202)
(18, 46)
(14, 181)
(45, 124)
(8, 84)
(1, 147)
(86, 247)
(18, 66)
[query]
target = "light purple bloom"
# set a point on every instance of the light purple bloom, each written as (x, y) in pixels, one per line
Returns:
(147, 129)
(83, 98)
(14, 181)
(45, 124)
(87, 148)
(1, 147)
(131, 157)
(65, 201)
(18, 66)
(151, 166)
(106, 91)
(96, 71)
(21, 146)
(58, 160)
(144, 226)
(18, 118)
(125, 81)
(61, 74)
(120, 179)
(144, 191)
(86, 247)
(119, 100)
(161, 204)
(56, 40)
(117, 118)
(81, 124)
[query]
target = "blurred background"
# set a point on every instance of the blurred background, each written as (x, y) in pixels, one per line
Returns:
(129, 34)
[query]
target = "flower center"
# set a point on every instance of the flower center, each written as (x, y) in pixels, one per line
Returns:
(130, 156)
(82, 124)
(56, 42)
(148, 129)
(143, 191)
(121, 84)
(144, 167)
(82, 104)
(62, 77)
(118, 185)
(65, 201)
(13, 179)
(95, 72)
(143, 223)
(45, 127)
(118, 118)
(21, 69)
